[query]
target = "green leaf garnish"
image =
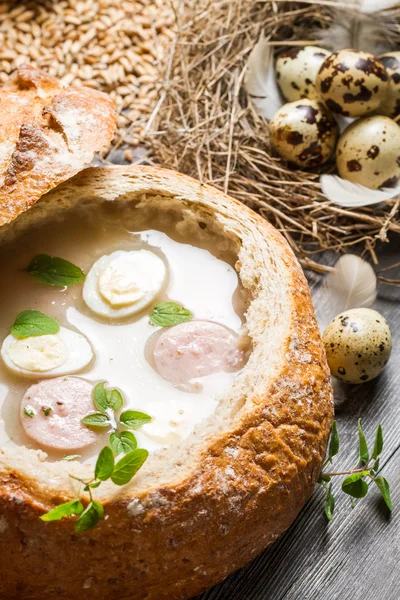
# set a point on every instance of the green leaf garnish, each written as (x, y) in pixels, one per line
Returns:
(123, 442)
(363, 447)
(329, 504)
(334, 443)
(33, 323)
(384, 489)
(46, 410)
(378, 444)
(134, 418)
(92, 514)
(355, 486)
(29, 411)
(52, 270)
(68, 509)
(128, 466)
(105, 464)
(104, 399)
(167, 314)
(71, 457)
(96, 420)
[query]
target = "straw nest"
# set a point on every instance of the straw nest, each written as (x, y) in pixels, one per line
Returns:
(204, 124)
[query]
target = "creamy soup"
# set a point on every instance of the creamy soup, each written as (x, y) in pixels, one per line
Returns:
(201, 279)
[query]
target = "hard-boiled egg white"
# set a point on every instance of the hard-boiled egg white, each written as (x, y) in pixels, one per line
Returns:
(46, 356)
(123, 283)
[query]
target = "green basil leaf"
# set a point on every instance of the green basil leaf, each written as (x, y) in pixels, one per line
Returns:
(334, 443)
(363, 447)
(71, 456)
(92, 514)
(167, 314)
(95, 485)
(105, 464)
(128, 441)
(52, 270)
(68, 509)
(128, 466)
(104, 399)
(33, 323)
(355, 486)
(96, 420)
(329, 504)
(378, 444)
(384, 489)
(134, 418)
(115, 443)
(123, 442)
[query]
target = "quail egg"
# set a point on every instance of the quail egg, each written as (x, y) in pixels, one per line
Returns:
(297, 69)
(352, 83)
(358, 344)
(368, 152)
(304, 133)
(391, 103)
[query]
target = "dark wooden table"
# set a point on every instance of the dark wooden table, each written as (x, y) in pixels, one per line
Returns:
(357, 555)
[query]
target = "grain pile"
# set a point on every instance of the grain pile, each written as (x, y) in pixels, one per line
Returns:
(110, 45)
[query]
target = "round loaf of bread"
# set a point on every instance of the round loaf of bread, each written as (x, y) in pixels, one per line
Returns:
(202, 508)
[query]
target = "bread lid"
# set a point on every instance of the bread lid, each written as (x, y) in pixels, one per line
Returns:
(203, 507)
(48, 132)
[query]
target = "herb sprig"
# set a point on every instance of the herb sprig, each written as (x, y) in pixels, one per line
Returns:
(355, 483)
(109, 464)
(33, 323)
(54, 271)
(167, 314)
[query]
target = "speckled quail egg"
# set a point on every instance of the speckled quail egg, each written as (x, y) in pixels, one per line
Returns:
(358, 344)
(391, 103)
(368, 152)
(304, 133)
(297, 70)
(352, 83)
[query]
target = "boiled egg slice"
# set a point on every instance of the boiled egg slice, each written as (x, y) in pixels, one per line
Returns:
(46, 356)
(123, 283)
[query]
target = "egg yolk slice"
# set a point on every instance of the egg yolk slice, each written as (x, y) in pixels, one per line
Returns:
(124, 283)
(63, 353)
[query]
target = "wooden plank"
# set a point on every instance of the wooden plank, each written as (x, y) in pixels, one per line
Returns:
(357, 556)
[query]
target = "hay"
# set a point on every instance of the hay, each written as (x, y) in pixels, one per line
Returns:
(205, 126)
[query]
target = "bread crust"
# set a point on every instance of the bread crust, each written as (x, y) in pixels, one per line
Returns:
(48, 132)
(198, 511)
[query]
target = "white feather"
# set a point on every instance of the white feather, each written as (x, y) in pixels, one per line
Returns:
(372, 6)
(356, 28)
(352, 195)
(352, 284)
(260, 79)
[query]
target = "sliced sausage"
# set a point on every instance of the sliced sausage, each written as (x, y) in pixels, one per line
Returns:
(196, 349)
(51, 413)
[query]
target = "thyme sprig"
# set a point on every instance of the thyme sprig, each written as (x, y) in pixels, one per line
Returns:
(109, 464)
(367, 468)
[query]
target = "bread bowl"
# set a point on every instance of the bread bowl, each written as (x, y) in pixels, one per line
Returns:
(205, 506)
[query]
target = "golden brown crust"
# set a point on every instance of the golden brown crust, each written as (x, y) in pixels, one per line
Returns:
(47, 134)
(205, 508)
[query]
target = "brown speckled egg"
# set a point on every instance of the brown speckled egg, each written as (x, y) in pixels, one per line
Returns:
(304, 133)
(368, 152)
(358, 344)
(352, 83)
(391, 103)
(297, 70)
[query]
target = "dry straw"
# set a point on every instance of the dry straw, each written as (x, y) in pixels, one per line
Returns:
(205, 126)
(111, 45)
